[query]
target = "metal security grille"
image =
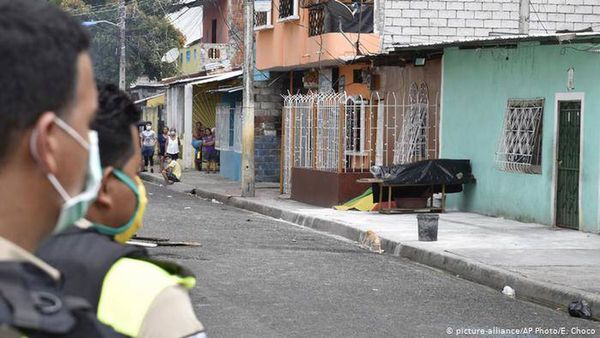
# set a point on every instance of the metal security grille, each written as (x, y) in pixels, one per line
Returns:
(342, 133)
(286, 8)
(260, 19)
(316, 20)
(567, 189)
(412, 144)
(520, 146)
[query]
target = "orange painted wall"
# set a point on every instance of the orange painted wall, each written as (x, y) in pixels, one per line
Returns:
(287, 45)
(214, 11)
(354, 89)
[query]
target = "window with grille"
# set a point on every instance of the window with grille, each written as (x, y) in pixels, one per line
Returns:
(237, 128)
(316, 20)
(520, 147)
(222, 127)
(288, 9)
(355, 126)
(262, 14)
(214, 53)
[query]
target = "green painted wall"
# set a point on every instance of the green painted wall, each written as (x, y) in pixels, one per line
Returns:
(476, 86)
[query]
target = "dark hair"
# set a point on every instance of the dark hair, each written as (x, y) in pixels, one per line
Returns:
(39, 48)
(116, 114)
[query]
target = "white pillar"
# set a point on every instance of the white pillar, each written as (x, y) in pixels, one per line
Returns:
(380, 131)
(524, 17)
(188, 104)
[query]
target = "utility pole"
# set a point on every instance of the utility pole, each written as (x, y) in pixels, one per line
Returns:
(122, 59)
(524, 17)
(248, 112)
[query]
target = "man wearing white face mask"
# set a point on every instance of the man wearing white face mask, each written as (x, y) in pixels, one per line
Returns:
(134, 294)
(49, 169)
(148, 137)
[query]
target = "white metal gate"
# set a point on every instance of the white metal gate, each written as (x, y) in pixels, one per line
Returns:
(343, 133)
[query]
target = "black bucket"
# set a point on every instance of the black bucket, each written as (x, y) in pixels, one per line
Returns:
(428, 227)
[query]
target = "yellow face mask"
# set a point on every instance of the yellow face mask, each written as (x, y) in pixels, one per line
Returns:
(124, 233)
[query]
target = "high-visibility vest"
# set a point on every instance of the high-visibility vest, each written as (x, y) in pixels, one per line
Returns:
(129, 289)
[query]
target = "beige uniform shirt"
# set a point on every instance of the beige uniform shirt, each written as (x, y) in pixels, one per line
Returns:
(171, 315)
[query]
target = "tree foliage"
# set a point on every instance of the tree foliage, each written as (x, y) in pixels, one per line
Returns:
(149, 35)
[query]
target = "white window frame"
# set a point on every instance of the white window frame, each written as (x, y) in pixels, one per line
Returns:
(361, 151)
(222, 126)
(237, 128)
(295, 15)
(519, 162)
(265, 7)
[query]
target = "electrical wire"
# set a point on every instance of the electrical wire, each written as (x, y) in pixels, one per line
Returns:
(538, 17)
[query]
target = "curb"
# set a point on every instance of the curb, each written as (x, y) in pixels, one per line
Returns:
(551, 295)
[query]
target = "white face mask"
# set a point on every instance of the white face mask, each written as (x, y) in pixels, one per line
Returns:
(75, 207)
(148, 127)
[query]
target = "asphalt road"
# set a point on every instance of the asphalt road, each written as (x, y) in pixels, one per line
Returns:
(261, 277)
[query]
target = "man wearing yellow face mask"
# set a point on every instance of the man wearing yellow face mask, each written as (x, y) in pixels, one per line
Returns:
(137, 296)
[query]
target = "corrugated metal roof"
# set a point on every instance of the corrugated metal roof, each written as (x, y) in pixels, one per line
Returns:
(492, 40)
(218, 77)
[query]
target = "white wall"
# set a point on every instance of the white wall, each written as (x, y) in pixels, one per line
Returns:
(422, 21)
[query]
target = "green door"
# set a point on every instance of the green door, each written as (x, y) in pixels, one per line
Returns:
(567, 186)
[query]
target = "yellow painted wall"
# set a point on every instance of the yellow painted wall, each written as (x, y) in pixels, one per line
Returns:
(194, 64)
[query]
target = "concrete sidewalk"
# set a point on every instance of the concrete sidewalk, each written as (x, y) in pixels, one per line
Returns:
(548, 265)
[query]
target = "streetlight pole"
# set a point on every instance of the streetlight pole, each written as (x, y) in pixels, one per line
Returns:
(248, 184)
(122, 59)
(121, 27)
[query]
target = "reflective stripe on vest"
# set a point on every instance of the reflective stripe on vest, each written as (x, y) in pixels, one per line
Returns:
(128, 290)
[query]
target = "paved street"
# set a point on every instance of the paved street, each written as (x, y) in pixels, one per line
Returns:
(261, 277)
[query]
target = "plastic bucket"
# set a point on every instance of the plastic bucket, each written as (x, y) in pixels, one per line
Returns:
(428, 227)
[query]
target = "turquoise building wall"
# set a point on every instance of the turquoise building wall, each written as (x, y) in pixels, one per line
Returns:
(476, 86)
(231, 161)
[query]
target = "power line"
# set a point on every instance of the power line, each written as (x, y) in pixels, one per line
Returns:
(538, 17)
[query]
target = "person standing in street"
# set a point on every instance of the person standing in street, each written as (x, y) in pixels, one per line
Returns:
(173, 145)
(136, 295)
(197, 144)
(148, 138)
(162, 143)
(210, 152)
(49, 164)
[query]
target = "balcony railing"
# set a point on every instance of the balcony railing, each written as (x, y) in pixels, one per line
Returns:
(214, 55)
(321, 21)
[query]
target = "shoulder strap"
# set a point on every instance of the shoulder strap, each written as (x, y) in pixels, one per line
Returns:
(31, 303)
(34, 303)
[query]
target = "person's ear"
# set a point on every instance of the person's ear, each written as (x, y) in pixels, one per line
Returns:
(104, 198)
(45, 143)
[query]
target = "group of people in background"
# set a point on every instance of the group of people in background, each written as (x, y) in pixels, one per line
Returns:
(203, 141)
(169, 148)
(168, 152)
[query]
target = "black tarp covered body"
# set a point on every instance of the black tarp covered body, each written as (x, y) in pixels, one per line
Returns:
(420, 179)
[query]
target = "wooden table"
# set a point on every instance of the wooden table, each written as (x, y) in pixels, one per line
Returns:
(389, 210)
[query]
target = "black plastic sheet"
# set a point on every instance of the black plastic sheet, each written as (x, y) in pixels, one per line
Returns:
(420, 179)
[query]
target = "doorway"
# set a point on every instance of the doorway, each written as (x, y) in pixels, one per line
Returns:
(568, 163)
